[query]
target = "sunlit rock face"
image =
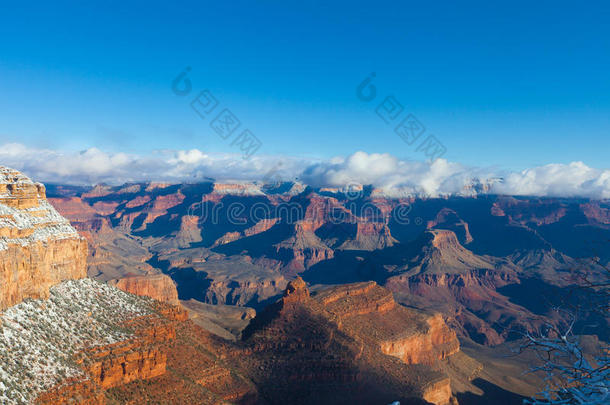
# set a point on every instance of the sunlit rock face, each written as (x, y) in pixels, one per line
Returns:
(38, 247)
(157, 286)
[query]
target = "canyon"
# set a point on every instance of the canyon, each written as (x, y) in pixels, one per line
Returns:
(239, 244)
(122, 339)
(234, 293)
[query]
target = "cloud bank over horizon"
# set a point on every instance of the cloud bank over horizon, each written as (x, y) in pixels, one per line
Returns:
(394, 177)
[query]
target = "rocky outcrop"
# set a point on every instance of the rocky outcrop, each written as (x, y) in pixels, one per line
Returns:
(438, 251)
(38, 247)
(303, 249)
(370, 312)
(261, 226)
(121, 364)
(437, 342)
(227, 238)
(458, 283)
(450, 220)
(370, 236)
(439, 392)
(321, 210)
(345, 337)
(160, 205)
(446, 277)
(242, 292)
(142, 357)
(157, 286)
(73, 390)
(189, 232)
(196, 374)
(524, 211)
(597, 212)
(29, 271)
(356, 299)
(296, 292)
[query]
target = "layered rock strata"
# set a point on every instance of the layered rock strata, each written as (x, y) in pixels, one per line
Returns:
(157, 286)
(348, 343)
(38, 247)
(370, 312)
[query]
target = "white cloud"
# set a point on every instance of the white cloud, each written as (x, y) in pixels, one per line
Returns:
(575, 179)
(95, 166)
(394, 177)
(389, 174)
(85, 167)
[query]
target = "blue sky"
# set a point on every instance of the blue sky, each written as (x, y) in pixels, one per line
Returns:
(513, 85)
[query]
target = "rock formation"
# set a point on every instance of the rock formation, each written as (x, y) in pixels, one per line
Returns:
(302, 249)
(370, 236)
(440, 252)
(38, 248)
(537, 211)
(157, 286)
(141, 357)
(189, 231)
(370, 312)
(216, 279)
(449, 219)
(242, 292)
(261, 226)
(339, 342)
(113, 253)
(446, 277)
(597, 212)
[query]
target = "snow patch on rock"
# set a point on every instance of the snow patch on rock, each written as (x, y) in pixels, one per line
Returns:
(45, 221)
(38, 338)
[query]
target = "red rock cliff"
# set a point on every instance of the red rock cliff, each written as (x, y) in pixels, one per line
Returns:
(38, 247)
(369, 311)
(157, 286)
